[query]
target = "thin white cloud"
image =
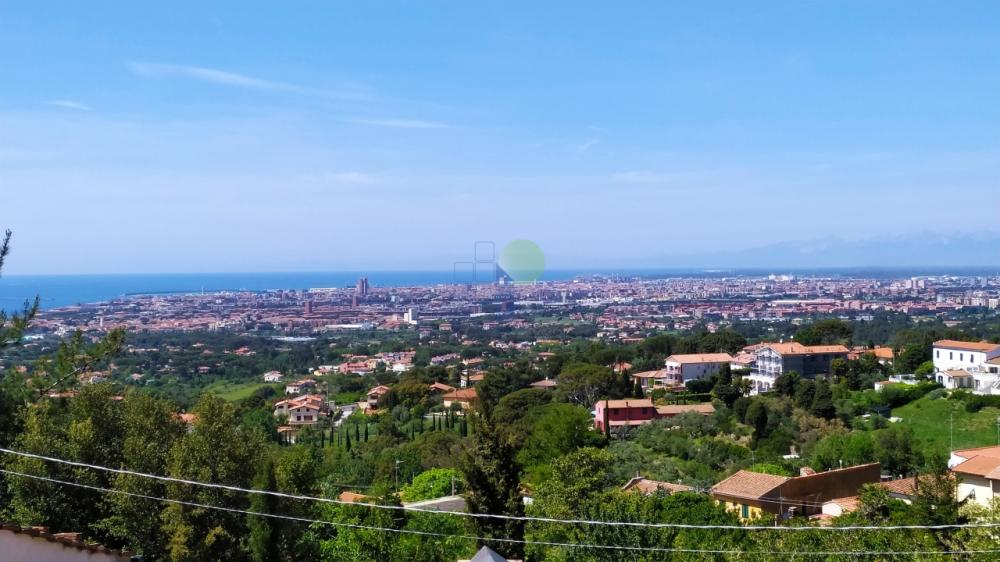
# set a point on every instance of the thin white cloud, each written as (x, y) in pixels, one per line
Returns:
(69, 104)
(211, 75)
(235, 79)
(397, 123)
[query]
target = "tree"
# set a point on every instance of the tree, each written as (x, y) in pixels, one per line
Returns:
(150, 429)
(558, 429)
(786, 383)
(86, 429)
(756, 417)
(493, 475)
(497, 384)
(12, 327)
(825, 332)
(822, 404)
(805, 393)
(263, 543)
(433, 483)
(583, 383)
(218, 450)
(839, 367)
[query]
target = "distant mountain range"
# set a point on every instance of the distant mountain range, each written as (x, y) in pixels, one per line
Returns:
(926, 249)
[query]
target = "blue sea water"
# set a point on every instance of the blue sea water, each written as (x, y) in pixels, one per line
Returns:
(64, 290)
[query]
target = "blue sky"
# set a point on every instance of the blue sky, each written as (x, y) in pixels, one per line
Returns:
(233, 136)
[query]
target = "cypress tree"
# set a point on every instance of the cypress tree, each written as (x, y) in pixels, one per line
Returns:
(347, 443)
(263, 535)
(357, 432)
(366, 432)
(493, 475)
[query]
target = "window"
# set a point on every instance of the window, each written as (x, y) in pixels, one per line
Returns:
(745, 511)
(961, 357)
(938, 353)
(951, 355)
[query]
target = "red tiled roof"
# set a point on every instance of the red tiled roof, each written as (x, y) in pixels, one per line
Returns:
(676, 409)
(987, 467)
(69, 540)
(902, 487)
(461, 394)
(646, 486)
(750, 485)
(966, 345)
(701, 358)
(795, 348)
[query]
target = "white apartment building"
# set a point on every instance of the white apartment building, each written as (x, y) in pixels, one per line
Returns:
(686, 367)
(971, 365)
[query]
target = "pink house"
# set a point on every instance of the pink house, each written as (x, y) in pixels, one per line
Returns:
(616, 413)
(634, 411)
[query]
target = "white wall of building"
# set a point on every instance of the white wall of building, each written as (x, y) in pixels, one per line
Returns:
(947, 359)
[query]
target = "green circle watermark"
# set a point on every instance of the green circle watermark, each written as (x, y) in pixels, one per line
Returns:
(523, 261)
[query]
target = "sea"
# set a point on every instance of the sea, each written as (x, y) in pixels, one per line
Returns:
(66, 290)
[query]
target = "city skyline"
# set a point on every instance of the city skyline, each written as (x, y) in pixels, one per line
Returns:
(355, 137)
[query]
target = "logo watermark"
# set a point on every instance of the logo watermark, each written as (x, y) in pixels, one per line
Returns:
(520, 261)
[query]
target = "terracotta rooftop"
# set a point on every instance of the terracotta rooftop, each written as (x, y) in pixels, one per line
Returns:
(701, 358)
(966, 345)
(990, 451)
(647, 486)
(662, 373)
(746, 484)
(677, 409)
(902, 487)
(461, 394)
(68, 540)
(985, 466)
(795, 348)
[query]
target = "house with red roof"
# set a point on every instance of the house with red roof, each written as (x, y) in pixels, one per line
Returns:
(753, 494)
(978, 472)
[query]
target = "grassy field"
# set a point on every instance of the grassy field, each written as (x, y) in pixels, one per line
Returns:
(234, 391)
(930, 422)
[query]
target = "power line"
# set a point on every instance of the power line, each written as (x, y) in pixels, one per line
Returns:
(487, 539)
(499, 516)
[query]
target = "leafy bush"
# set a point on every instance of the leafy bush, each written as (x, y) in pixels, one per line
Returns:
(433, 483)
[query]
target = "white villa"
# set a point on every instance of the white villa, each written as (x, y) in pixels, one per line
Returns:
(971, 365)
